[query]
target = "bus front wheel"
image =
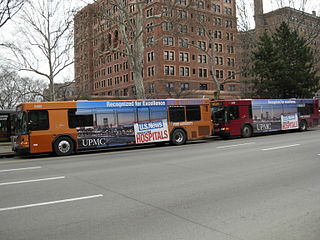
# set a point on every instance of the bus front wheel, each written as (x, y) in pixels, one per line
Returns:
(178, 137)
(63, 146)
(246, 131)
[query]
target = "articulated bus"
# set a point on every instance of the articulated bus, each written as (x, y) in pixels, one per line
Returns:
(67, 127)
(247, 117)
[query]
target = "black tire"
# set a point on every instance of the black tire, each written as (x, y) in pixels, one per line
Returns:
(63, 146)
(246, 131)
(178, 137)
(303, 126)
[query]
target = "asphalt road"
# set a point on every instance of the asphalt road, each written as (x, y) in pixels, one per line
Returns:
(265, 187)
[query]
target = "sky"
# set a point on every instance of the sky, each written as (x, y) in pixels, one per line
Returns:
(7, 32)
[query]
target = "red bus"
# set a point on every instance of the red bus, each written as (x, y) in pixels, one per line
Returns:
(67, 127)
(247, 117)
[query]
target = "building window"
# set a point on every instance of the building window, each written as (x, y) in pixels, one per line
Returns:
(216, 8)
(169, 55)
(150, 56)
(218, 60)
(230, 62)
(218, 47)
(202, 45)
(181, 2)
(151, 88)
(203, 86)
(228, 11)
(217, 34)
(230, 49)
(229, 23)
(200, 4)
(230, 36)
(151, 71)
(182, 28)
(231, 75)
(184, 86)
(170, 86)
(125, 92)
(201, 31)
(150, 12)
(184, 71)
(167, 26)
(232, 88)
(169, 70)
(182, 14)
(203, 72)
(184, 57)
(219, 74)
(202, 58)
(168, 41)
(183, 42)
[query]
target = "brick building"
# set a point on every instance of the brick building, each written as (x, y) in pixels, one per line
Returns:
(307, 25)
(174, 64)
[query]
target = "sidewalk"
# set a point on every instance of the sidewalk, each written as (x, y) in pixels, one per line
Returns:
(6, 149)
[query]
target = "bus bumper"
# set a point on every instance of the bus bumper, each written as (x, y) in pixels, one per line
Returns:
(21, 151)
(221, 133)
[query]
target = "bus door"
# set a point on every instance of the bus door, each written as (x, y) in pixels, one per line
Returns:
(234, 120)
(38, 125)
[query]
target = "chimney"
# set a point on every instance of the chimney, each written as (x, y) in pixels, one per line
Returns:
(258, 13)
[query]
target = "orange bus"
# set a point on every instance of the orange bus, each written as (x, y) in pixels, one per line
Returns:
(68, 127)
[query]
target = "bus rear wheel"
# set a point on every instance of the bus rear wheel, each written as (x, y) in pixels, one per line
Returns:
(246, 131)
(178, 137)
(63, 146)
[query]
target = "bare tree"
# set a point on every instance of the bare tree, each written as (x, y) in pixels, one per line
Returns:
(9, 8)
(45, 39)
(15, 89)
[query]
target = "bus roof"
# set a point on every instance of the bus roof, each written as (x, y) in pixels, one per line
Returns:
(73, 104)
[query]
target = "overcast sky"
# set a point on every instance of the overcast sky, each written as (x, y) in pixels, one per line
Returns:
(8, 31)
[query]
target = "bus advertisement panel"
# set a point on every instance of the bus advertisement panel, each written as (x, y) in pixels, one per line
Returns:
(274, 115)
(116, 123)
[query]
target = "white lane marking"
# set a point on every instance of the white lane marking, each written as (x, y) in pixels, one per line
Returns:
(280, 147)
(236, 145)
(50, 203)
(19, 169)
(32, 180)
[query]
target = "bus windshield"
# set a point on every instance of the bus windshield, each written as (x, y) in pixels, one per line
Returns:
(21, 123)
(219, 114)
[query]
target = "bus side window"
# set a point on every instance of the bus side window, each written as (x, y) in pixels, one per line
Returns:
(233, 112)
(193, 113)
(79, 120)
(158, 113)
(176, 114)
(38, 120)
(143, 114)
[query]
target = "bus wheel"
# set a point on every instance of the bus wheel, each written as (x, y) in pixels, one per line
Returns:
(63, 146)
(303, 125)
(178, 137)
(246, 131)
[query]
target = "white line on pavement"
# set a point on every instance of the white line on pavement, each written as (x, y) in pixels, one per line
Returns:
(19, 169)
(50, 203)
(280, 147)
(236, 145)
(32, 180)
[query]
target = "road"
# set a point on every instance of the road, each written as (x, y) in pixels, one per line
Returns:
(265, 187)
